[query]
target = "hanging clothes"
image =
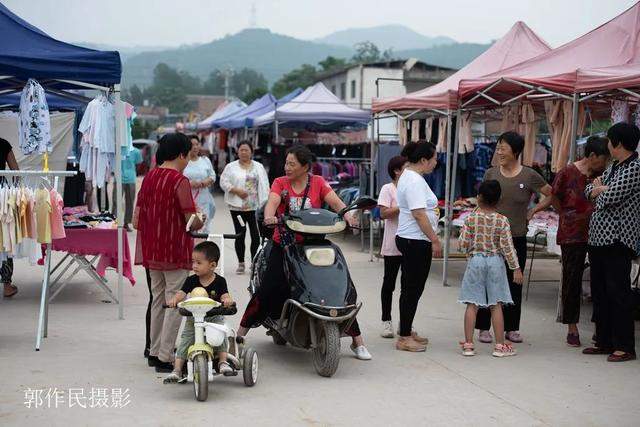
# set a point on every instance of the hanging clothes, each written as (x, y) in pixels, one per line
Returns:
(529, 129)
(565, 138)
(465, 141)
(402, 131)
(34, 124)
(510, 118)
(98, 143)
(553, 110)
(415, 130)
(428, 129)
(620, 111)
(442, 145)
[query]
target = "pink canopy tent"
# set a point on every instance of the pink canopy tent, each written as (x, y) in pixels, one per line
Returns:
(599, 59)
(518, 45)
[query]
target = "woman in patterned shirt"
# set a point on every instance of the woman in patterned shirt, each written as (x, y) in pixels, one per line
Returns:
(486, 239)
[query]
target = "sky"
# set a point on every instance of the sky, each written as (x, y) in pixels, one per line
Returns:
(130, 23)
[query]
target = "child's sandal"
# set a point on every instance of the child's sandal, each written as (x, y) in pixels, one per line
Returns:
(467, 349)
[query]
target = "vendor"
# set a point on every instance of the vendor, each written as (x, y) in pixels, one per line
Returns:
(7, 158)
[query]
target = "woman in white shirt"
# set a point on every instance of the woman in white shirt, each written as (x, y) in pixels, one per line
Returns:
(201, 176)
(246, 188)
(416, 237)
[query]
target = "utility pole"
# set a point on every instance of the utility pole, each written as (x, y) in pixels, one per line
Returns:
(253, 19)
(228, 74)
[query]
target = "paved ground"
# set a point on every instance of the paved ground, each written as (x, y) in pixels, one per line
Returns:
(546, 384)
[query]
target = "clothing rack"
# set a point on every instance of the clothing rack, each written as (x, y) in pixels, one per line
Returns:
(43, 316)
(346, 159)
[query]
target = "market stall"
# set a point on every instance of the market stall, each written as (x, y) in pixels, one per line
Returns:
(441, 101)
(27, 54)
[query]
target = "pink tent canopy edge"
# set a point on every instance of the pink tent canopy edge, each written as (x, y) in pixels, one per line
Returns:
(595, 61)
(517, 45)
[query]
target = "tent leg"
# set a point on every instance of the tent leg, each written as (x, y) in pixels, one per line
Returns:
(574, 129)
(454, 166)
(447, 207)
(372, 190)
(44, 301)
(118, 175)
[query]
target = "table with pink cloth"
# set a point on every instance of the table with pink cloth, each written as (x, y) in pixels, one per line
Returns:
(99, 242)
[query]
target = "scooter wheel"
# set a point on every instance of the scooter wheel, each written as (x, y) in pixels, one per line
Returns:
(326, 355)
(250, 367)
(201, 377)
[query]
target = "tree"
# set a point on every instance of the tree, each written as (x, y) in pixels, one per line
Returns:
(214, 85)
(299, 78)
(246, 81)
(135, 95)
(331, 63)
(173, 98)
(366, 52)
(254, 94)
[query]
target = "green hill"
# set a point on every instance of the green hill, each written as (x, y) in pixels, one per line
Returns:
(455, 55)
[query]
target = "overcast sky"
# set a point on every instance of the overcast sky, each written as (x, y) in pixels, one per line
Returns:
(176, 22)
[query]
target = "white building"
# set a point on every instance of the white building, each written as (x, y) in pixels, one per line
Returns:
(356, 85)
(359, 84)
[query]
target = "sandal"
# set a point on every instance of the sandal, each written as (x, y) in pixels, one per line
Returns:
(504, 350)
(467, 349)
(10, 290)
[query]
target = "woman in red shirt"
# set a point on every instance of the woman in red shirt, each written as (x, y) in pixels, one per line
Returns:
(273, 292)
(163, 246)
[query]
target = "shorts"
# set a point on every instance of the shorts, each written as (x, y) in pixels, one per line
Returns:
(188, 337)
(485, 281)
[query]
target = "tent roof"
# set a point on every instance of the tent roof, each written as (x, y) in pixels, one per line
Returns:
(54, 102)
(259, 107)
(224, 111)
(27, 52)
(613, 44)
(518, 45)
(316, 105)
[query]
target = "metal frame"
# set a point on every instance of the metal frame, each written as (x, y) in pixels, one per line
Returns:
(119, 138)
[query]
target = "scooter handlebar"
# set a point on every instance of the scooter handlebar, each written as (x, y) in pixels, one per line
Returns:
(217, 311)
(206, 236)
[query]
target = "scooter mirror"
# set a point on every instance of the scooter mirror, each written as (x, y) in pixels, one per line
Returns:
(362, 203)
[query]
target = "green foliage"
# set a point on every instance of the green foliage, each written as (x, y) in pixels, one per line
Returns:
(300, 77)
(135, 95)
(331, 63)
(142, 130)
(254, 94)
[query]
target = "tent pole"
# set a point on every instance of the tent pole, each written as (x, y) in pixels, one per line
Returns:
(372, 190)
(118, 178)
(574, 129)
(276, 131)
(447, 208)
(454, 167)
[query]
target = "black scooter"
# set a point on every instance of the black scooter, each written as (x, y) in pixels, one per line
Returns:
(322, 303)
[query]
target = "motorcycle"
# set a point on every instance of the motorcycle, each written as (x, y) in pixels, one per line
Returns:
(322, 303)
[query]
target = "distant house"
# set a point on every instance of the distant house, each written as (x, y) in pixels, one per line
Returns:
(204, 105)
(356, 85)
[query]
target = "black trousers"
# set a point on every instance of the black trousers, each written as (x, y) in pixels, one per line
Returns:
(6, 271)
(612, 299)
(513, 311)
(147, 341)
(249, 218)
(573, 257)
(416, 263)
(392, 266)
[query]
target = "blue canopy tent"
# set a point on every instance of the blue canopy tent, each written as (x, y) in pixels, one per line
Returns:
(28, 52)
(221, 114)
(259, 107)
(55, 102)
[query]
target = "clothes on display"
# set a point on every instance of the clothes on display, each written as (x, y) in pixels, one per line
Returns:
(28, 217)
(402, 131)
(428, 129)
(441, 147)
(335, 169)
(34, 124)
(560, 117)
(415, 130)
(620, 111)
(528, 128)
(98, 144)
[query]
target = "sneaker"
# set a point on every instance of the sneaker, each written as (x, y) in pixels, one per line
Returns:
(164, 366)
(573, 340)
(361, 352)
(387, 329)
(514, 336)
(467, 349)
(504, 350)
(172, 378)
(240, 269)
(225, 369)
(485, 337)
(417, 338)
(409, 344)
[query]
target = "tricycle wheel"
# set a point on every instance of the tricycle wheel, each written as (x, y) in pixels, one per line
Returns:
(326, 355)
(200, 377)
(250, 367)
